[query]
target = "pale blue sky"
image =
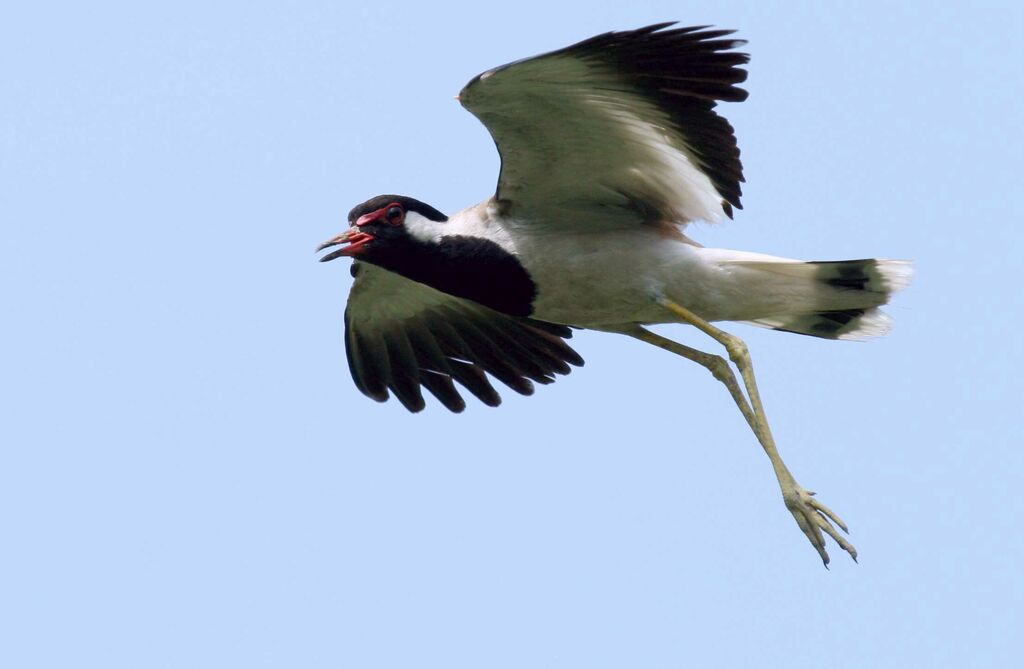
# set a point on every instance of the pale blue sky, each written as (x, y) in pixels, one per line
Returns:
(189, 477)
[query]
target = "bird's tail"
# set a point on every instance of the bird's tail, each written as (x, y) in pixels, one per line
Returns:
(835, 299)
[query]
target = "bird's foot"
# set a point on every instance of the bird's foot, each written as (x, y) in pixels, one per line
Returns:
(813, 517)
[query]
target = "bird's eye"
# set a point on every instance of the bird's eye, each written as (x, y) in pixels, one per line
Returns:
(394, 214)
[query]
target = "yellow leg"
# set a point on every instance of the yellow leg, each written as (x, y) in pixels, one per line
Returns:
(715, 364)
(812, 516)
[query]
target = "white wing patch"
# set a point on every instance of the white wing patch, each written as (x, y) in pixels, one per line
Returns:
(660, 169)
(615, 131)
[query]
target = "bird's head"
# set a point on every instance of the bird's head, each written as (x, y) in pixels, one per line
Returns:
(382, 226)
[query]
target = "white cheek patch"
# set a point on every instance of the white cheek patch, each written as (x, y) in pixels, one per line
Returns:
(482, 220)
(476, 221)
(422, 228)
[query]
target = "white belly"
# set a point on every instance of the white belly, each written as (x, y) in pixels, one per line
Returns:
(610, 278)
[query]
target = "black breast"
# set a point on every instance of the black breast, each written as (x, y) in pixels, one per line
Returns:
(473, 268)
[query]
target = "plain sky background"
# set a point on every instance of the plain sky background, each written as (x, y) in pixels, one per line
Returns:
(189, 477)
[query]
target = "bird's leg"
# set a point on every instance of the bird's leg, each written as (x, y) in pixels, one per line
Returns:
(715, 364)
(812, 516)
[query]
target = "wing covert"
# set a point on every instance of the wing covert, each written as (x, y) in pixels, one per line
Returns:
(401, 336)
(618, 126)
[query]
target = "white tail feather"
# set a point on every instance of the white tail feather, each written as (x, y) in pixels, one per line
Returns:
(829, 299)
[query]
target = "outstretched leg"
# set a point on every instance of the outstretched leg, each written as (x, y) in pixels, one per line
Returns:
(811, 515)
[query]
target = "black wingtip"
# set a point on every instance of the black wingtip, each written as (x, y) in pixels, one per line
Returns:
(376, 396)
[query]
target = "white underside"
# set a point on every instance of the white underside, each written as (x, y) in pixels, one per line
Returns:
(617, 276)
(608, 278)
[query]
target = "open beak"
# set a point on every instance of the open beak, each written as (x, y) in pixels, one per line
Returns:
(356, 239)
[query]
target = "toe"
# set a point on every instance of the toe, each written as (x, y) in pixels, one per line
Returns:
(809, 526)
(839, 539)
(821, 508)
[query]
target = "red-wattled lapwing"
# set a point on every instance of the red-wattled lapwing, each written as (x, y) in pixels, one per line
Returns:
(609, 147)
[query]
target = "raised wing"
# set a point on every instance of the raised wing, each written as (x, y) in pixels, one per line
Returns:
(620, 126)
(401, 335)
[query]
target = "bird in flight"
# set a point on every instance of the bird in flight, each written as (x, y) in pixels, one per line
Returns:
(609, 148)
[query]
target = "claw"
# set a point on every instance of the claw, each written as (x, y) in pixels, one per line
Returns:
(831, 531)
(813, 517)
